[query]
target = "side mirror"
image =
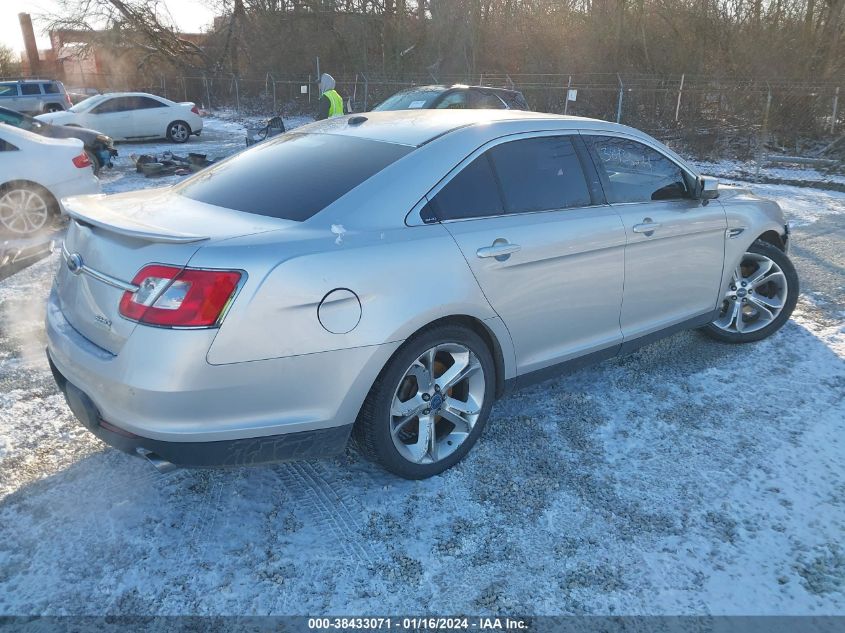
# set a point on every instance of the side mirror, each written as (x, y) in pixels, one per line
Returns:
(707, 188)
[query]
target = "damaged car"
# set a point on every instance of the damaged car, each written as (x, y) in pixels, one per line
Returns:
(388, 276)
(99, 147)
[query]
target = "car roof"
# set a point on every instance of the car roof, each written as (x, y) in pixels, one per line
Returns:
(418, 127)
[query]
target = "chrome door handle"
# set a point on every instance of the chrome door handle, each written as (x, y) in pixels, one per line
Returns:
(501, 250)
(647, 227)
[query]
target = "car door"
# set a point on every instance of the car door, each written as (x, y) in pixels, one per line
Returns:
(149, 117)
(676, 244)
(9, 95)
(112, 117)
(31, 98)
(545, 251)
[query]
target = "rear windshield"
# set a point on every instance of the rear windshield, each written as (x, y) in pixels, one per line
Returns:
(410, 100)
(293, 176)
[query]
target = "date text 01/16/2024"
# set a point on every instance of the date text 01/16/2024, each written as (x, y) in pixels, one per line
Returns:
(417, 624)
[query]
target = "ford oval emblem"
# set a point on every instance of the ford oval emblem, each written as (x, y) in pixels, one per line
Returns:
(74, 263)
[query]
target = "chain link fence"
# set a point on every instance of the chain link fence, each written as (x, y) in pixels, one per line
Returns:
(706, 117)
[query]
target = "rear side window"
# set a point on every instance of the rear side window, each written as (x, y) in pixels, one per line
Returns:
(635, 172)
(146, 103)
(51, 89)
(293, 176)
(472, 193)
(30, 89)
(8, 90)
(540, 174)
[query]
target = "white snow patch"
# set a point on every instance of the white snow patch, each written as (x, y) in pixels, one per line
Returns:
(338, 230)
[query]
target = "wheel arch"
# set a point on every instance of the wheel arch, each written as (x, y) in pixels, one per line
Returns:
(492, 332)
(772, 237)
(488, 336)
(22, 182)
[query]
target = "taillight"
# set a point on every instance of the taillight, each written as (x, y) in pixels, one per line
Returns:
(195, 110)
(82, 160)
(175, 297)
(67, 100)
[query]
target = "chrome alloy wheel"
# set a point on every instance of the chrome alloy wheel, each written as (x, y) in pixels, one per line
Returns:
(755, 297)
(179, 132)
(437, 403)
(23, 211)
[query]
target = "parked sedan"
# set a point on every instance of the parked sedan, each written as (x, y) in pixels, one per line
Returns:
(35, 174)
(132, 116)
(390, 276)
(99, 147)
(457, 97)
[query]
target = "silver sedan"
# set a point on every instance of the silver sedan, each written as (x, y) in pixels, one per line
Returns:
(389, 276)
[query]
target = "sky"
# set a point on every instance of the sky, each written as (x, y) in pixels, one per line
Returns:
(189, 16)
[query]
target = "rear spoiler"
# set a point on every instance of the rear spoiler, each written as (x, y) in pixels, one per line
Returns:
(130, 227)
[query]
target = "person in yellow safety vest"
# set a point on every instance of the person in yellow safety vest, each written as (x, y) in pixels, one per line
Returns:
(331, 104)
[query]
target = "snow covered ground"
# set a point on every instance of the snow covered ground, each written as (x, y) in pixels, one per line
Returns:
(688, 478)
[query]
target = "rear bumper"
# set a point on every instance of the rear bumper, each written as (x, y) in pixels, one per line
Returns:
(241, 452)
(159, 390)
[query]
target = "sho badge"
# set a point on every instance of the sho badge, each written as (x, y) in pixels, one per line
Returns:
(100, 319)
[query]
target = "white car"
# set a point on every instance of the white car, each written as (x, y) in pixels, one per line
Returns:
(36, 172)
(130, 116)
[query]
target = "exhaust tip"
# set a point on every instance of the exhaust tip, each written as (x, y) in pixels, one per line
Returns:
(161, 465)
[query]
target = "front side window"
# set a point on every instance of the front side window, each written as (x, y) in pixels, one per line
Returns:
(293, 176)
(635, 172)
(86, 104)
(453, 101)
(117, 104)
(30, 89)
(8, 90)
(540, 174)
(472, 193)
(479, 100)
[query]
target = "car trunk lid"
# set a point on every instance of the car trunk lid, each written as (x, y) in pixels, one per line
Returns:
(111, 238)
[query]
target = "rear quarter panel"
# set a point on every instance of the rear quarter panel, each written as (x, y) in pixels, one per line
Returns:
(404, 278)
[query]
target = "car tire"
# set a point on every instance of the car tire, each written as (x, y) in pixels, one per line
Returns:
(399, 441)
(178, 132)
(95, 162)
(26, 209)
(53, 107)
(760, 298)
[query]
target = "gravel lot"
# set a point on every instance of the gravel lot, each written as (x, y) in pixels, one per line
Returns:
(688, 478)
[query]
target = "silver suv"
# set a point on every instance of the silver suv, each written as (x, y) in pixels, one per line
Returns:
(34, 95)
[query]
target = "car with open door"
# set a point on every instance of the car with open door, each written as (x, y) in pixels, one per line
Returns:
(99, 147)
(388, 276)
